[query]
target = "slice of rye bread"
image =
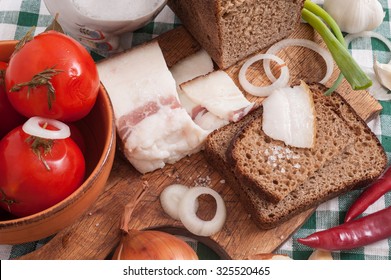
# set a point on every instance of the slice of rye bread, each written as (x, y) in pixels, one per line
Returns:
(273, 168)
(360, 164)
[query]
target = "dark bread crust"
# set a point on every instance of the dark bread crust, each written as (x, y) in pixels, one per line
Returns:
(232, 30)
(358, 165)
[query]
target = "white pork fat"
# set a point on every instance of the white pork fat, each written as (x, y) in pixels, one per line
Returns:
(217, 93)
(196, 65)
(153, 127)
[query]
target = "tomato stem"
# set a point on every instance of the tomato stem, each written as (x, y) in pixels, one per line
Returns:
(26, 38)
(41, 79)
(55, 25)
(6, 200)
(39, 144)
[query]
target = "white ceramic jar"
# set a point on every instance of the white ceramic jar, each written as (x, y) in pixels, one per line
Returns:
(99, 24)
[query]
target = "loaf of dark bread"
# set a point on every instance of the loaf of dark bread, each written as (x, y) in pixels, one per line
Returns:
(232, 30)
(358, 164)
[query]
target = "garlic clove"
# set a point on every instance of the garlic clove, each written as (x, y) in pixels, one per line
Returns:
(383, 73)
(321, 255)
(269, 256)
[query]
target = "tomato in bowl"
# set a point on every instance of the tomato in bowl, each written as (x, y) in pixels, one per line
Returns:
(98, 132)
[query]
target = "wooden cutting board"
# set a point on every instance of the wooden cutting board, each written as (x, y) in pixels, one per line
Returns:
(96, 233)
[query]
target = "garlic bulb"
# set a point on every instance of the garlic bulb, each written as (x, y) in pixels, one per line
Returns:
(355, 16)
(383, 73)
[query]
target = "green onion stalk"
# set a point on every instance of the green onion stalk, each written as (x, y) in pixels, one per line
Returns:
(335, 42)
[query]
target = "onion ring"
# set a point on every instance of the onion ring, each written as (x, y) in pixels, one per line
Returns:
(263, 91)
(170, 198)
(33, 127)
(301, 43)
(190, 219)
(367, 34)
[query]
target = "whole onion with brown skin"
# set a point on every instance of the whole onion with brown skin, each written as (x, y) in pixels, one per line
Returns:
(153, 245)
(149, 244)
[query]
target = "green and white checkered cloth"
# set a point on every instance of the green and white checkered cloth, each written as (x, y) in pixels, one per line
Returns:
(17, 16)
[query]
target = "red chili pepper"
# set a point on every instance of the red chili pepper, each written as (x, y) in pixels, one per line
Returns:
(381, 186)
(353, 234)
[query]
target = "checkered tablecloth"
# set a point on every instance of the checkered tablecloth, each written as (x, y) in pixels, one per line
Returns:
(17, 16)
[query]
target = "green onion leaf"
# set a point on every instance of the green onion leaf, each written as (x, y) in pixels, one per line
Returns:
(320, 12)
(347, 65)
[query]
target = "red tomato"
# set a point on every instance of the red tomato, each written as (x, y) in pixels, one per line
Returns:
(69, 69)
(9, 117)
(29, 184)
(77, 136)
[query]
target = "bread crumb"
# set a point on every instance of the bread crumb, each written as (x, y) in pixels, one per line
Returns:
(222, 181)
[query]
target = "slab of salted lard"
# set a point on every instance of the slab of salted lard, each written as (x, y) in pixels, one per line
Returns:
(218, 93)
(152, 125)
(289, 116)
(195, 65)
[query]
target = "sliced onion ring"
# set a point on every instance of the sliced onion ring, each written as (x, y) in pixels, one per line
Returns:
(367, 34)
(170, 198)
(301, 43)
(263, 91)
(33, 127)
(190, 219)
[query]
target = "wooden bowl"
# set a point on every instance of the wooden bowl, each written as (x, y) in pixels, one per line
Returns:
(98, 130)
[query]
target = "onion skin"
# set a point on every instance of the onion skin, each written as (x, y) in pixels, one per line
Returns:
(153, 245)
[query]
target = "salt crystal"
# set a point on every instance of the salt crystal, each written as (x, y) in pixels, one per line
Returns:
(203, 181)
(272, 158)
